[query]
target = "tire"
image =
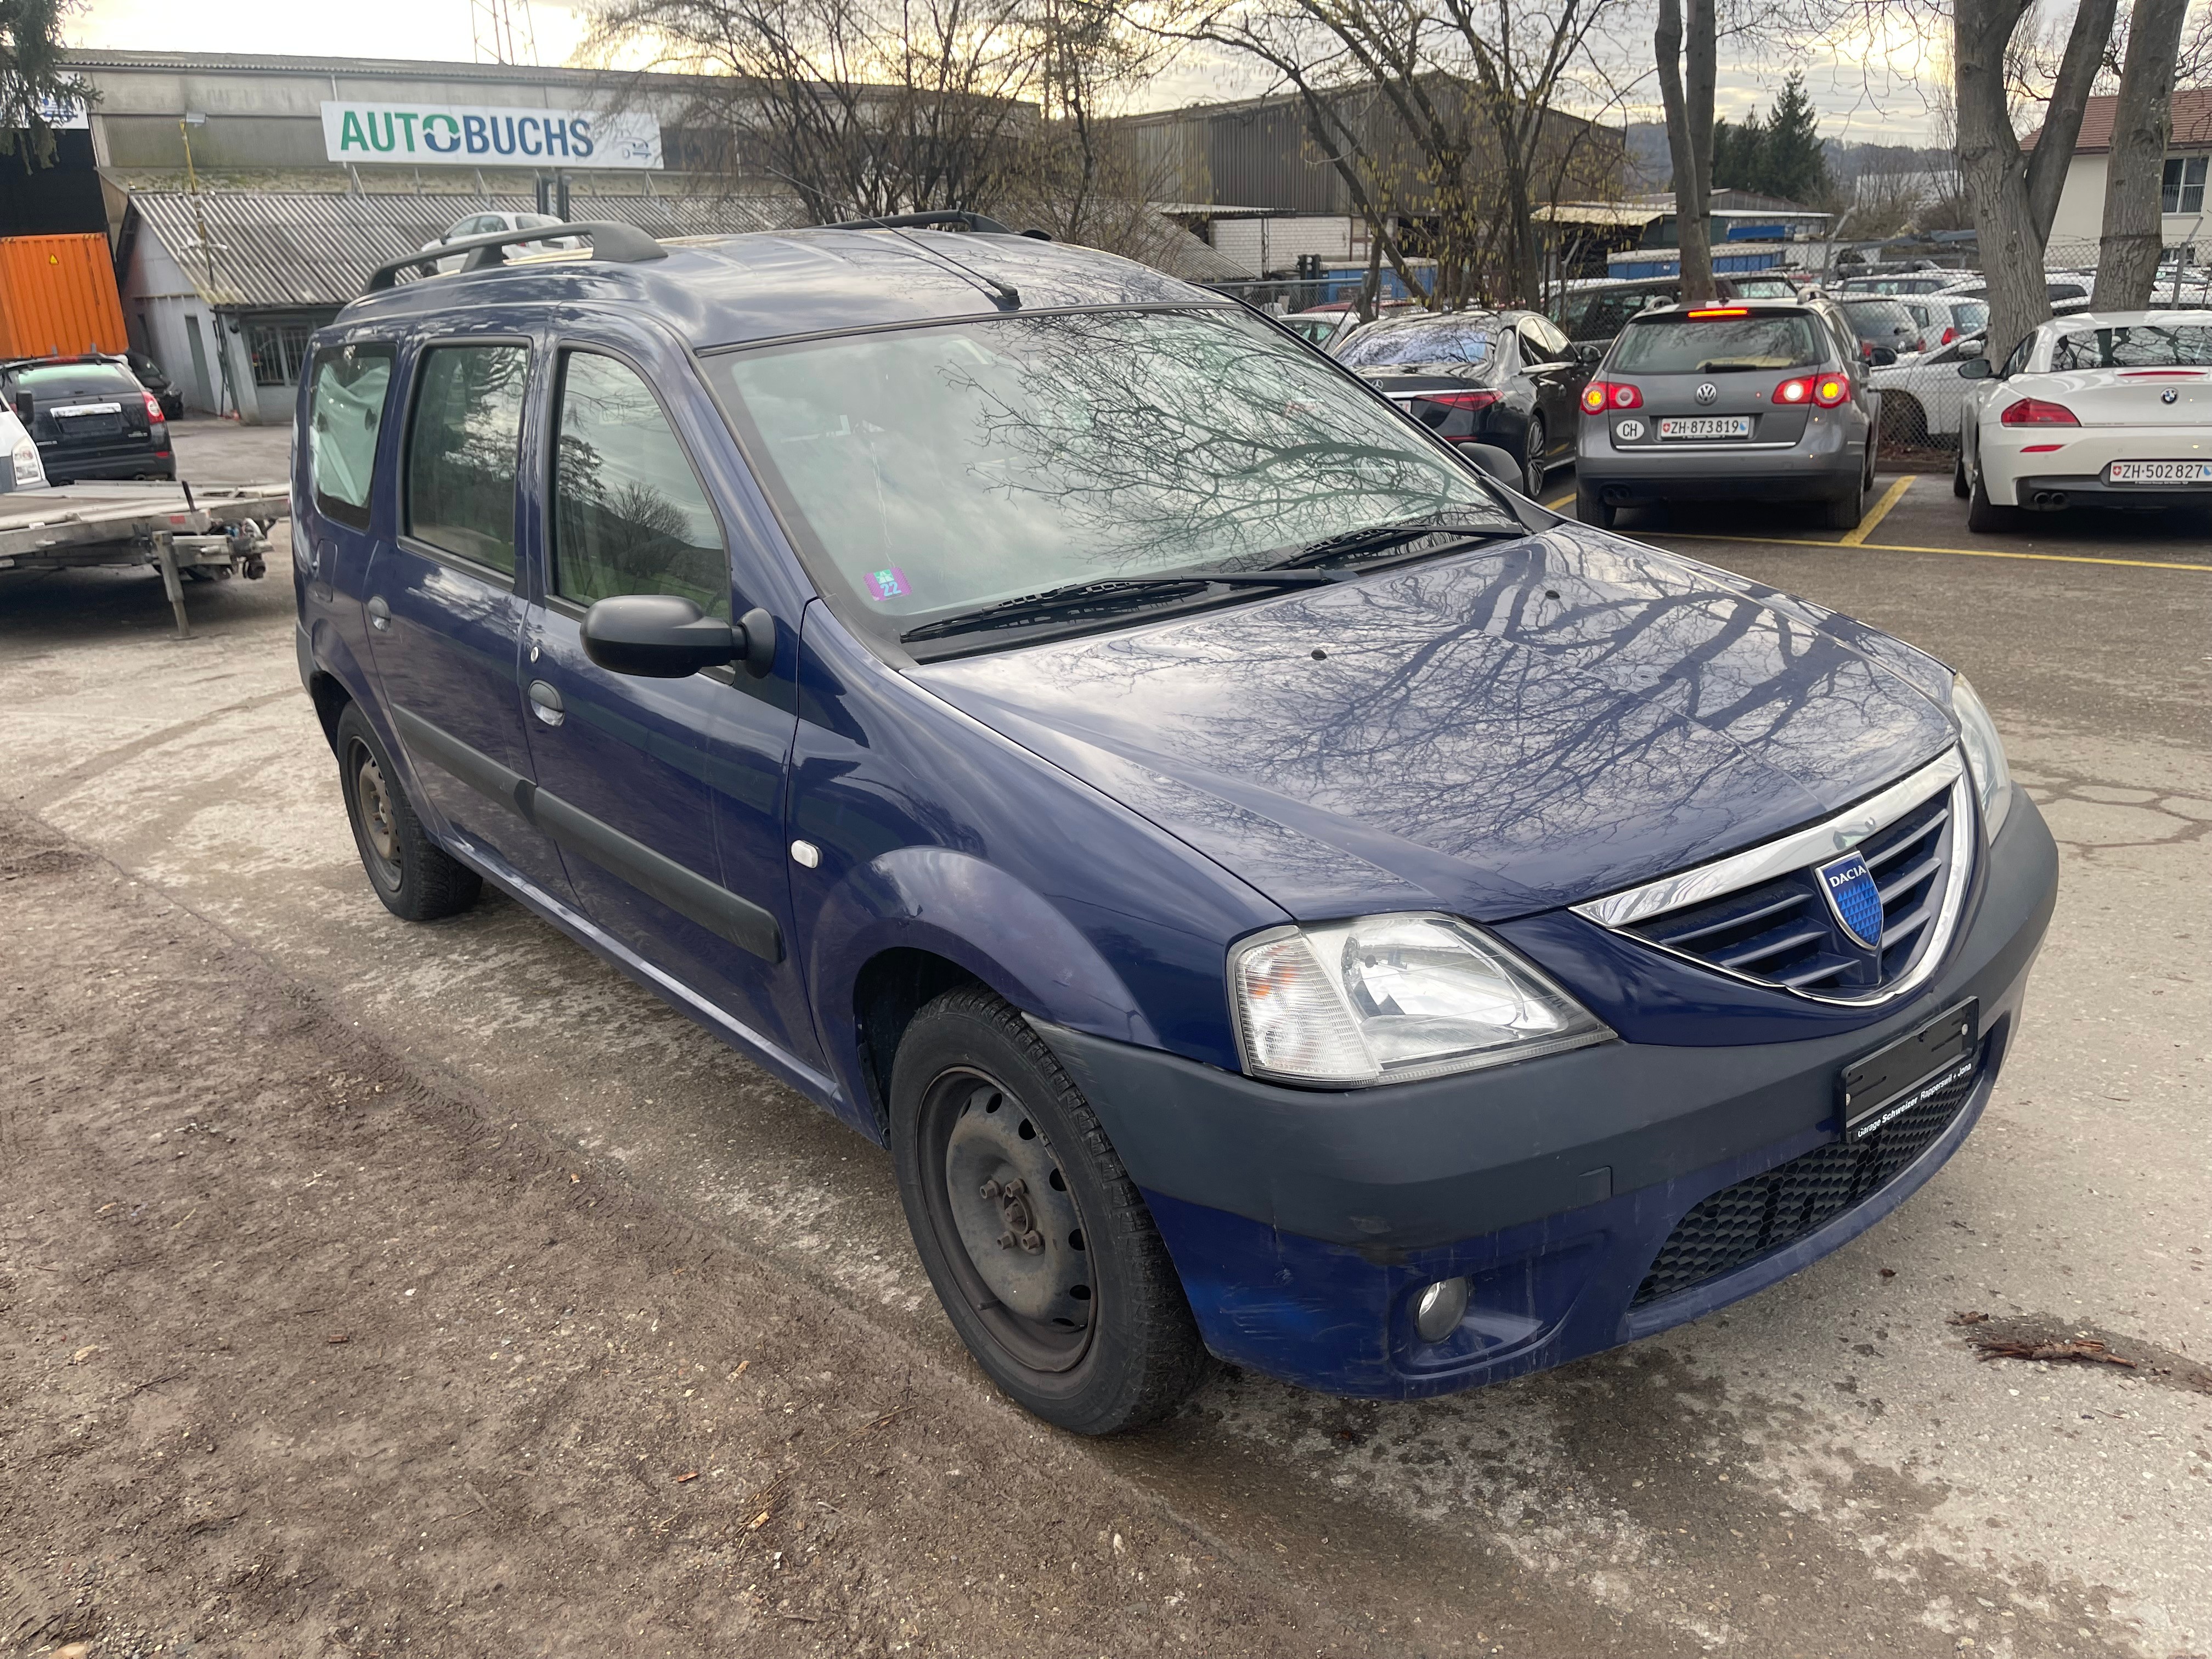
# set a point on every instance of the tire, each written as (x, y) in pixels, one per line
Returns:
(1591, 509)
(1844, 511)
(1959, 486)
(417, 879)
(1984, 517)
(1040, 1247)
(1533, 469)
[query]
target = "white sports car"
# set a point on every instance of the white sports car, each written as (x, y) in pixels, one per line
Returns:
(2104, 408)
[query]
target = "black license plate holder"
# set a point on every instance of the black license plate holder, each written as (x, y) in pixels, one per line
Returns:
(1894, 1079)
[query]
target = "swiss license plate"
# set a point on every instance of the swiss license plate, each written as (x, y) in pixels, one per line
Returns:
(2166, 472)
(1706, 426)
(1893, 1080)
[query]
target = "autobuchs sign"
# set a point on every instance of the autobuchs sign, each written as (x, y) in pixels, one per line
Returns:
(486, 135)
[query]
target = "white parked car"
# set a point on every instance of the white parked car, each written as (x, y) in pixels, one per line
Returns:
(20, 466)
(2104, 409)
(1921, 395)
(1947, 318)
(490, 224)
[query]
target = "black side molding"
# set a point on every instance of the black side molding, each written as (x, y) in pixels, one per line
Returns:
(711, 905)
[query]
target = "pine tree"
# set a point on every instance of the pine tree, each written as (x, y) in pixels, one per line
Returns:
(32, 73)
(1793, 164)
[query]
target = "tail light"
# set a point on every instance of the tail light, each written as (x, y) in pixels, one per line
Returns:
(154, 408)
(1458, 399)
(1721, 311)
(1601, 395)
(1826, 390)
(2034, 411)
(1949, 335)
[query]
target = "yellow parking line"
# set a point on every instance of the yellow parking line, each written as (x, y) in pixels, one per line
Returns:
(1890, 498)
(1555, 505)
(1961, 552)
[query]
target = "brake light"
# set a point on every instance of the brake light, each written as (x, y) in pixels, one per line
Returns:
(1601, 395)
(1459, 399)
(2034, 411)
(1826, 390)
(1949, 335)
(1721, 311)
(154, 408)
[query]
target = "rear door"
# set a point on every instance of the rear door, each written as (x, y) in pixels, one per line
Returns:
(668, 795)
(1559, 377)
(445, 621)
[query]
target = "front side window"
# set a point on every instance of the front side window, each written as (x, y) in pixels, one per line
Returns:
(926, 471)
(345, 412)
(628, 513)
(1679, 342)
(462, 448)
(2018, 361)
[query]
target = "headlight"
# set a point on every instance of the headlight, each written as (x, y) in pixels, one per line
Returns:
(1986, 755)
(1390, 998)
(28, 471)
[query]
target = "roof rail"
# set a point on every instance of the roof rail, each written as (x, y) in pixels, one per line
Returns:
(911, 221)
(622, 244)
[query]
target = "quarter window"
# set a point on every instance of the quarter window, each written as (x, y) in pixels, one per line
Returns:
(629, 516)
(461, 450)
(345, 411)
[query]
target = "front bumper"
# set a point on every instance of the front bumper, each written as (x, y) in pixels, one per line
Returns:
(1304, 1222)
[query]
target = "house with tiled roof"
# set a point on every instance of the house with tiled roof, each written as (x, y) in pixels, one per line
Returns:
(2080, 217)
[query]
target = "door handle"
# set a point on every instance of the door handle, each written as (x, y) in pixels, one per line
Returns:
(545, 703)
(379, 614)
(320, 572)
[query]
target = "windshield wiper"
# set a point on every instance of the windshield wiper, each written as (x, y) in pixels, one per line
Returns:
(1381, 537)
(1107, 594)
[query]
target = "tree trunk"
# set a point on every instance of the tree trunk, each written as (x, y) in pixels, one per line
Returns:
(2127, 259)
(1692, 161)
(2013, 200)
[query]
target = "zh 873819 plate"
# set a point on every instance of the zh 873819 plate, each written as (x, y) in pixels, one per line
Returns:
(1705, 426)
(1894, 1079)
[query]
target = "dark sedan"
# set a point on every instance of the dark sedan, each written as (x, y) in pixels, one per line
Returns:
(1879, 320)
(90, 418)
(1507, 377)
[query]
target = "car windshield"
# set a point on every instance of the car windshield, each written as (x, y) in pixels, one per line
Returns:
(1683, 343)
(2138, 346)
(1439, 340)
(75, 380)
(925, 472)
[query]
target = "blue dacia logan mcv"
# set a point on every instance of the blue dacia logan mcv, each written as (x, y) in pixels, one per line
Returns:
(1277, 894)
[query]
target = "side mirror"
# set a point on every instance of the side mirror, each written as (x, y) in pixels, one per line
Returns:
(25, 406)
(661, 637)
(1975, 368)
(1589, 352)
(1881, 357)
(1496, 462)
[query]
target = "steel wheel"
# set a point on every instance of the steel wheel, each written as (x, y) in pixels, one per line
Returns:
(999, 1206)
(379, 836)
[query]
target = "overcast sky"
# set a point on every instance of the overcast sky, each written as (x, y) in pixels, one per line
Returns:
(1867, 91)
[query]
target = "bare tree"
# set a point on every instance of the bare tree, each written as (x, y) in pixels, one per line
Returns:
(1686, 43)
(2016, 197)
(2127, 260)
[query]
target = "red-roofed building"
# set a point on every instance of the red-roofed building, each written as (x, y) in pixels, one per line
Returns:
(2080, 216)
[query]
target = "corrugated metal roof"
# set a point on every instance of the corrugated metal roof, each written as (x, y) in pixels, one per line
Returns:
(303, 250)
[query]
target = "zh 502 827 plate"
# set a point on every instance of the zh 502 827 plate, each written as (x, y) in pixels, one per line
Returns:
(1894, 1079)
(2180, 473)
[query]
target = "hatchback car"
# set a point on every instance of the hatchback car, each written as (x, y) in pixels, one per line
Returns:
(1276, 894)
(1757, 401)
(2104, 409)
(90, 418)
(1508, 378)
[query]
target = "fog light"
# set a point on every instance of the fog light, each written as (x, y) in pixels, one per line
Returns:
(1438, 1309)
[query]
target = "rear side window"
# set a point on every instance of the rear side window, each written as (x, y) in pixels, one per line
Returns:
(461, 450)
(345, 410)
(1681, 344)
(629, 515)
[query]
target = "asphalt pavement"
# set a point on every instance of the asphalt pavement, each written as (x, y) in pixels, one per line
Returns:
(1826, 1469)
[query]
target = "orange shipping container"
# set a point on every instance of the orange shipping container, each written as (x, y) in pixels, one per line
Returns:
(58, 296)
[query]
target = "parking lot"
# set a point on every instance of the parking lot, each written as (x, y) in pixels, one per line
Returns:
(371, 1287)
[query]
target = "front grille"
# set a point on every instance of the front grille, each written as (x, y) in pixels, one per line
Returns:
(1782, 932)
(1740, 1223)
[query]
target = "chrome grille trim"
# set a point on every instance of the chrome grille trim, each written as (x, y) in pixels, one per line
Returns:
(1802, 849)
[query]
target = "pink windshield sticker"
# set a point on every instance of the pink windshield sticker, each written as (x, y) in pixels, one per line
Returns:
(886, 584)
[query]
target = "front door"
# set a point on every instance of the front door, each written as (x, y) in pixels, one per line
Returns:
(445, 621)
(668, 795)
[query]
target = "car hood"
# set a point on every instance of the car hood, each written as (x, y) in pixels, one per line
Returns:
(1499, 734)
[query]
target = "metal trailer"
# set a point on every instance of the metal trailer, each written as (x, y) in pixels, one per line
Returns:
(180, 532)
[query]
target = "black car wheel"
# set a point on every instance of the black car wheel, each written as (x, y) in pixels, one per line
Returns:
(1040, 1247)
(1984, 517)
(417, 879)
(1845, 511)
(1532, 458)
(1591, 509)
